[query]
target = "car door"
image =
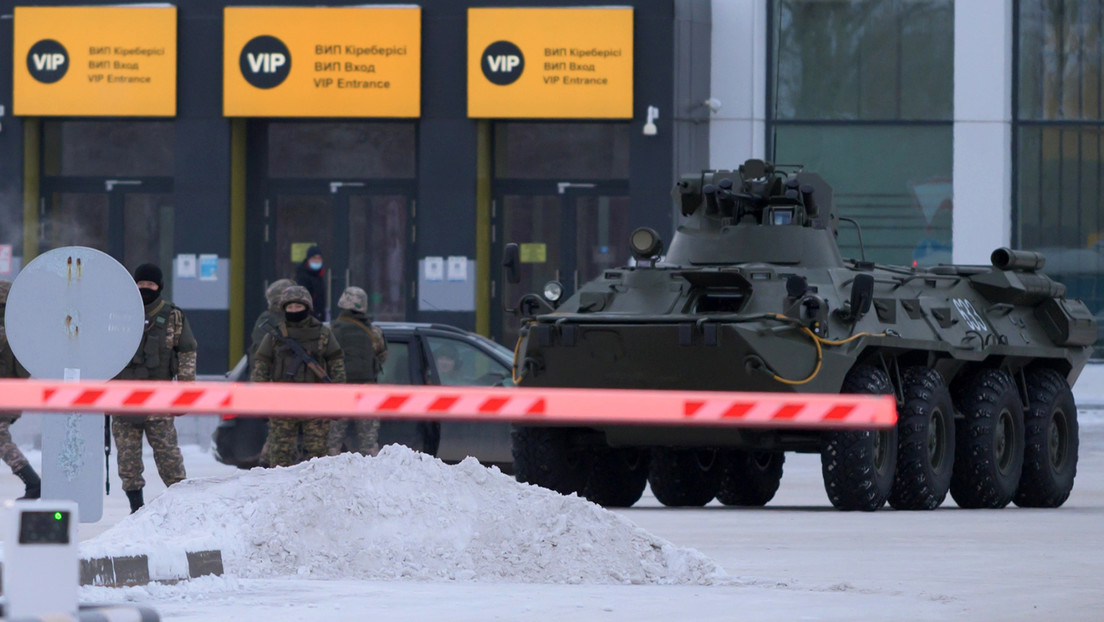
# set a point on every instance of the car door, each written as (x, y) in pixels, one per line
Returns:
(473, 366)
(405, 365)
(461, 362)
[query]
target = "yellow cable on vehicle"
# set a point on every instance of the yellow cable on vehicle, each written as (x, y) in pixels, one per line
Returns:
(517, 347)
(816, 368)
(817, 341)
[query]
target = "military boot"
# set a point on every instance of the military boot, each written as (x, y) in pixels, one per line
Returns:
(136, 501)
(31, 481)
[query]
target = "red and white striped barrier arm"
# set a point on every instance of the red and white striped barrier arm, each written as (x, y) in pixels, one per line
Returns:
(521, 405)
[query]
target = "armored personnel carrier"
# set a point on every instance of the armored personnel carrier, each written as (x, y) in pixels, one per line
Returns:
(752, 294)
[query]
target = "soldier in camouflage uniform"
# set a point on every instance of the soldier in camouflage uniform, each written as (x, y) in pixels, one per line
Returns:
(276, 362)
(268, 319)
(10, 368)
(365, 351)
(167, 351)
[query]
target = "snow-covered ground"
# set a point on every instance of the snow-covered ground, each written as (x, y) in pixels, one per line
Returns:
(406, 537)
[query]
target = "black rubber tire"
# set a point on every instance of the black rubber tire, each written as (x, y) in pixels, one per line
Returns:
(545, 457)
(748, 478)
(989, 448)
(617, 477)
(1050, 441)
(858, 466)
(682, 477)
(925, 441)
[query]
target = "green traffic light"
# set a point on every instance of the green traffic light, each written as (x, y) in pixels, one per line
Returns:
(57, 515)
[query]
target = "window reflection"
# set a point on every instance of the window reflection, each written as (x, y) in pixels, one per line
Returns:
(872, 59)
(109, 148)
(337, 150)
(562, 150)
(1059, 150)
(853, 82)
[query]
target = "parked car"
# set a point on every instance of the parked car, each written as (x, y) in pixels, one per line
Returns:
(412, 352)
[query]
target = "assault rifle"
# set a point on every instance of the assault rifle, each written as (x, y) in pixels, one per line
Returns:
(107, 454)
(302, 357)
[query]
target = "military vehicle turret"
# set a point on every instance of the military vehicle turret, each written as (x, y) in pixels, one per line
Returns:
(752, 294)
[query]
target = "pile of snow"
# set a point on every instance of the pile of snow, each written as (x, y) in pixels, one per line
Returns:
(400, 515)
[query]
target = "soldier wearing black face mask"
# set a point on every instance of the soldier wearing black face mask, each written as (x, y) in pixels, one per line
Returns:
(319, 359)
(167, 351)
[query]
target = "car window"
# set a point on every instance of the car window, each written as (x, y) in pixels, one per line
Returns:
(396, 369)
(457, 362)
(496, 346)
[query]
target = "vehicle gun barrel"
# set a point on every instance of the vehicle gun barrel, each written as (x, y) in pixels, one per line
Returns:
(1008, 259)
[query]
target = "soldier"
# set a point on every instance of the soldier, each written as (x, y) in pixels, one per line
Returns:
(365, 351)
(319, 359)
(10, 368)
(268, 319)
(167, 351)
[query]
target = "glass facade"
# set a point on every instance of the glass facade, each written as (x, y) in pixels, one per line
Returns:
(107, 184)
(562, 150)
(108, 148)
(330, 150)
(1059, 147)
(561, 192)
(862, 93)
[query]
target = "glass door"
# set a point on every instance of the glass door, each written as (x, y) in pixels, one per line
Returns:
(569, 236)
(363, 232)
(299, 222)
(131, 220)
(378, 250)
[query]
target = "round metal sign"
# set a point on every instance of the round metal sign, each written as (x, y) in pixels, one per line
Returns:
(74, 313)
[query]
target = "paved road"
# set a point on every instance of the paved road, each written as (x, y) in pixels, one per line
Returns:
(795, 559)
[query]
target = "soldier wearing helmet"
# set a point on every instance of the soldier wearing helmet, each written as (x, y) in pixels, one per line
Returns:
(167, 352)
(277, 361)
(270, 317)
(9, 451)
(365, 351)
(268, 320)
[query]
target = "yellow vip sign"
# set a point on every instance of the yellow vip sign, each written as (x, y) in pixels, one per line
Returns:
(547, 63)
(95, 61)
(322, 62)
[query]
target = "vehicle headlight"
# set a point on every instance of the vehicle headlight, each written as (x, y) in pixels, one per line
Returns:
(645, 244)
(553, 291)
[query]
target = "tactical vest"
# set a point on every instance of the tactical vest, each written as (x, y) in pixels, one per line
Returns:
(153, 360)
(313, 339)
(361, 363)
(268, 320)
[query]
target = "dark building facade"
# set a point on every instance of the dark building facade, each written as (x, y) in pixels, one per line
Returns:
(415, 208)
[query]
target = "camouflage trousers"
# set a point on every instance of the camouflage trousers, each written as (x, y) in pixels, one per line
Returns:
(8, 449)
(161, 434)
(283, 440)
(359, 435)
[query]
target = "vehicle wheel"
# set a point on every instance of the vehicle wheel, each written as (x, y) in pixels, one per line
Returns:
(429, 435)
(858, 466)
(681, 477)
(748, 478)
(1050, 441)
(989, 451)
(925, 442)
(544, 456)
(238, 442)
(617, 477)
